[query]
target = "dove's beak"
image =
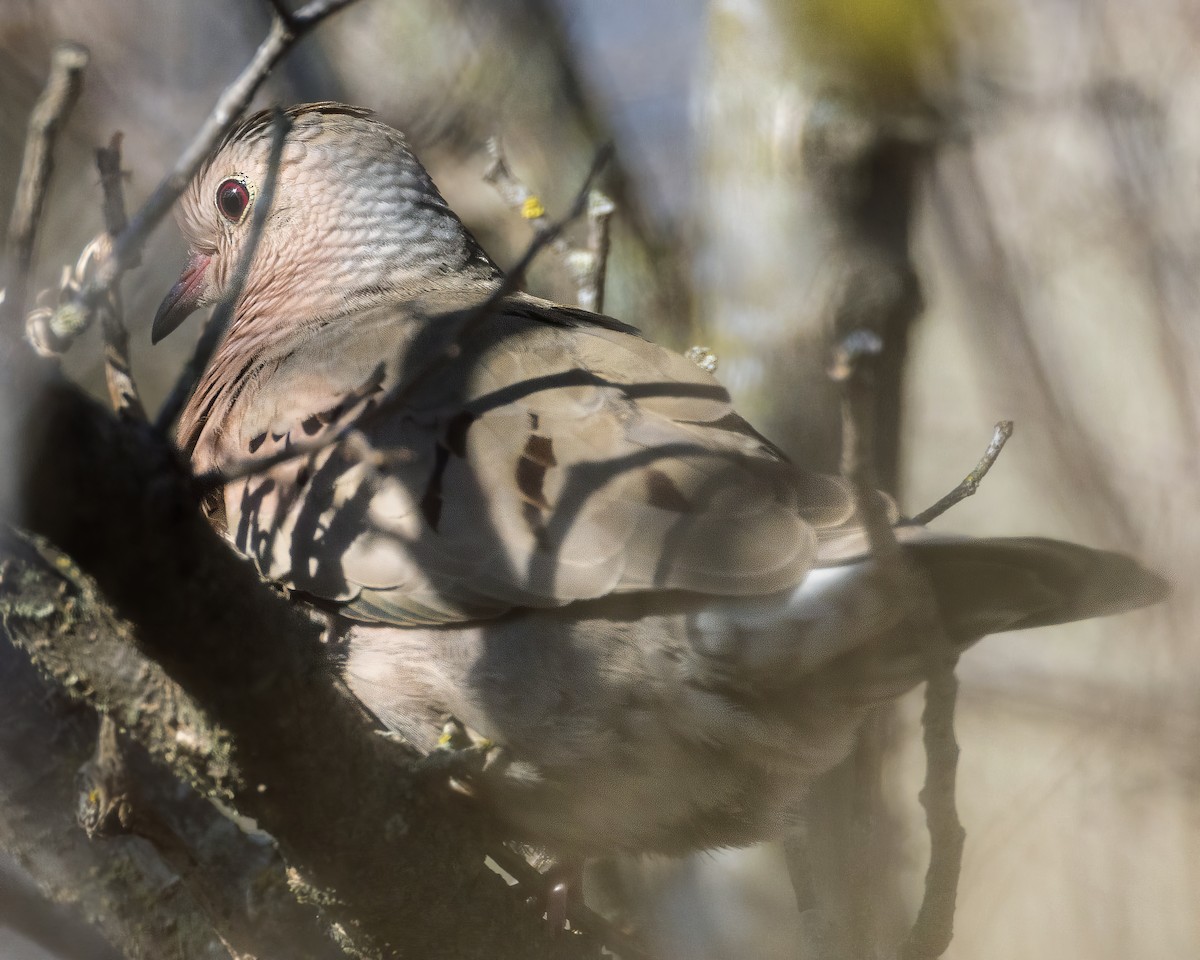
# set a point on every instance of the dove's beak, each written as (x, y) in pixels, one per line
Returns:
(182, 298)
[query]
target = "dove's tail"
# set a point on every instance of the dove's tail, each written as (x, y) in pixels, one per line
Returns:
(981, 587)
(993, 585)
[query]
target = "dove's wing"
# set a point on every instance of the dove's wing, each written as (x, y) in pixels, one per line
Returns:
(559, 458)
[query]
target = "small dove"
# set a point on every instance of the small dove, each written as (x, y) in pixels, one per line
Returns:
(564, 539)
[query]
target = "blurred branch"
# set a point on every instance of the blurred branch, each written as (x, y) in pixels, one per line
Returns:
(283, 13)
(933, 929)
(970, 483)
(232, 883)
(118, 369)
(219, 322)
(276, 736)
(587, 267)
(862, 163)
(852, 367)
(26, 912)
(49, 114)
(127, 246)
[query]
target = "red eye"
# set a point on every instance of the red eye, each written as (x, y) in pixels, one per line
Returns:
(233, 197)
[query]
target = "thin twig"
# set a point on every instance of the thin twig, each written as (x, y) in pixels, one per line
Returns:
(854, 365)
(112, 182)
(934, 927)
(234, 99)
(49, 115)
(221, 317)
(471, 321)
(600, 211)
(588, 267)
(970, 483)
(118, 370)
(583, 918)
(282, 12)
(852, 368)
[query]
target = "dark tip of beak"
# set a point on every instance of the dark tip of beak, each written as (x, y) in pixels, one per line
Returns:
(182, 299)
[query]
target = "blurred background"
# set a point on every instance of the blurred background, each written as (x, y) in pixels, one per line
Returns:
(1035, 216)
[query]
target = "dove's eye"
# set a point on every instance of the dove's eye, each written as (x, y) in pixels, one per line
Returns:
(233, 197)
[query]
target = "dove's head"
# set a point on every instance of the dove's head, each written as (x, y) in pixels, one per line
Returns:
(354, 219)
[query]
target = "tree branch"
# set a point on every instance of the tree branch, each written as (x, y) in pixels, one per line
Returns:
(127, 246)
(970, 483)
(588, 267)
(934, 927)
(286, 741)
(118, 369)
(49, 114)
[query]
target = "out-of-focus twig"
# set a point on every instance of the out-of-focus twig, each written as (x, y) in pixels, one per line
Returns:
(588, 267)
(934, 927)
(127, 246)
(282, 12)
(49, 114)
(219, 322)
(852, 368)
(467, 326)
(583, 919)
(118, 370)
(970, 483)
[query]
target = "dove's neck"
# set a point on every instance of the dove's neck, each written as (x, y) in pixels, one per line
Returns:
(393, 257)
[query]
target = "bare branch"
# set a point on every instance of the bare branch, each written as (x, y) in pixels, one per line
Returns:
(594, 263)
(931, 933)
(260, 671)
(970, 483)
(588, 267)
(112, 182)
(853, 368)
(234, 99)
(282, 12)
(118, 369)
(934, 927)
(471, 321)
(219, 322)
(130, 687)
(49, 114)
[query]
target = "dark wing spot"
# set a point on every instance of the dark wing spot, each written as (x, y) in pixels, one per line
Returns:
(256, 442)
(456, 432)
(540, 450)
(311, 426)
(431, 500)
(661, 492)
(533, 421)
(531, 470)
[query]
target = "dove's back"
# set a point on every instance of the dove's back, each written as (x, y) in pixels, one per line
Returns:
(558, 459)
